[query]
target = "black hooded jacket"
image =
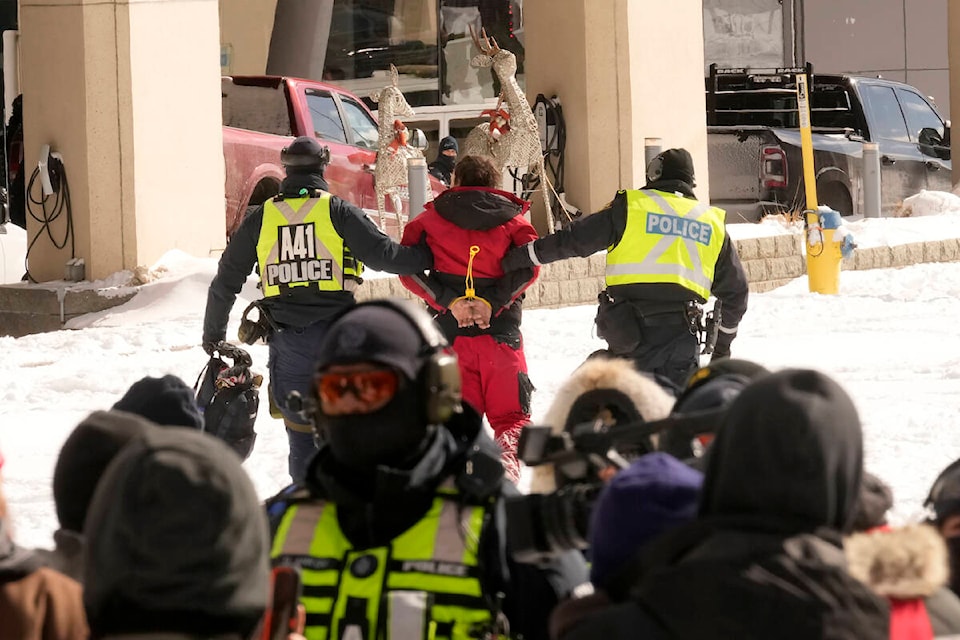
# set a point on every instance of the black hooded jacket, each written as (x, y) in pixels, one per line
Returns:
(765, 558)
(304, 306)
(605, 228)
(396, 499)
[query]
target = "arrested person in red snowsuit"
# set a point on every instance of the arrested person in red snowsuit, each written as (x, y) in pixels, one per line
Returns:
(469, 228)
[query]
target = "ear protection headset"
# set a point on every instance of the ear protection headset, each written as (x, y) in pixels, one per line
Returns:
(655, 168)
(319, 159)
(439, 376)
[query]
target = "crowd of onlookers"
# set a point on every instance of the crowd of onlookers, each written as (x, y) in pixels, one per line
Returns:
(768, 527)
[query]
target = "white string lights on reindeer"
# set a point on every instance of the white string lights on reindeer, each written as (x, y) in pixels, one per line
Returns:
(511, 137)
(393, 150)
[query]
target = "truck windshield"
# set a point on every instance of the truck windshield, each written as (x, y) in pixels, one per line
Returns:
(829, 108)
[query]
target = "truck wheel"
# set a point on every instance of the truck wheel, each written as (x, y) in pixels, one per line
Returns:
(835, 196)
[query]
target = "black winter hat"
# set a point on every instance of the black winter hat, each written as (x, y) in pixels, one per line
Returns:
(448, 143)
(672, 164)
(177, 540)
(375, 333)
(788, 453)
(717, 384)
(85, 454)
(166, 401)
(944, 496)
(876, 498)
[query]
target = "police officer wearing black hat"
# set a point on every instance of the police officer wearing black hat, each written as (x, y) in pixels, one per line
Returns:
(667, 254)
(310, 248)
(398, 527)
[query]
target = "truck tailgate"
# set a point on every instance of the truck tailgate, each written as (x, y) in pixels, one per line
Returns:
(732, 156)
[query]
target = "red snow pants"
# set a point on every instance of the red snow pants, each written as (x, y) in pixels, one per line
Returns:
(496, 384)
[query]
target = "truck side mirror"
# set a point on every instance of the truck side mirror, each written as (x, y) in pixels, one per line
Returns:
(931, 143)
(418, 139)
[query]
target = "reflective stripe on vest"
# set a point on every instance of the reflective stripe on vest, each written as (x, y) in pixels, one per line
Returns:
(425, 584)
(668, 238)
(298, 247)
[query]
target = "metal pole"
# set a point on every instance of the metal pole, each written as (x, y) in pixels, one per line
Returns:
(651, 148)
(416, 185)
(871, 180)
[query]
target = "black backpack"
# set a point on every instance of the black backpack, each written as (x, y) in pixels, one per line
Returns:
(229, 397)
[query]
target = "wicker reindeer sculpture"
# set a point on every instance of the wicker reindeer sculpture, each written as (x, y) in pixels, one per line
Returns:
(511, 137)
(390, 174)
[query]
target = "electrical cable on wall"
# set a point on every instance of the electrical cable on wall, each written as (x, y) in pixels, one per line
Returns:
(553, 138)
(50, 207)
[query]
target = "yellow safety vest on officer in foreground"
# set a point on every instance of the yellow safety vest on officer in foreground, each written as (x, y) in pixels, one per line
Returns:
(425, 584)
(668, 239)
(299, 247)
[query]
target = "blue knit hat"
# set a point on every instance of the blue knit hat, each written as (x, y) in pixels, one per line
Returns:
(654, 494)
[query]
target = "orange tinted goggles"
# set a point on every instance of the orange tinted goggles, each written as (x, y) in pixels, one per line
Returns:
(372, 387)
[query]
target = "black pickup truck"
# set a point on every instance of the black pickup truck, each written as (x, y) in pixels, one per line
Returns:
(753, 141)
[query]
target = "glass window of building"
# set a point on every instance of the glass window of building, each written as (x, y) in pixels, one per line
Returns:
(743, 33)
(429, 43)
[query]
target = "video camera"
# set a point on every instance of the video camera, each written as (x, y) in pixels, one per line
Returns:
(540, 526)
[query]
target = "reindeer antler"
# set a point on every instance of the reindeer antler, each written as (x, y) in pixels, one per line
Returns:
(488, 45)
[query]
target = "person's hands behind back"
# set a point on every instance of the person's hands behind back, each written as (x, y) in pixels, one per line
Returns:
(471, 312)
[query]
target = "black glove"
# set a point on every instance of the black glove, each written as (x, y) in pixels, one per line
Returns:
(722, 348)
(516, 258)
(210, 347)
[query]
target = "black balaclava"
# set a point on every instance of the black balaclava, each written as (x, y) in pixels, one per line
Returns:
(953, 549)
(395, 433)
(390, 436)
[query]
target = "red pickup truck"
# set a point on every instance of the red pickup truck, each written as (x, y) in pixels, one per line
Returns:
(262, 114)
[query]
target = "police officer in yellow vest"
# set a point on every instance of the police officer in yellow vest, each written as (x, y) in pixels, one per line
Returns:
(667, 254)
(398, 528)
(310, 247)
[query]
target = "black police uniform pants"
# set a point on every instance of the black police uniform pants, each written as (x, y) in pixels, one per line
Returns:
(660, 343)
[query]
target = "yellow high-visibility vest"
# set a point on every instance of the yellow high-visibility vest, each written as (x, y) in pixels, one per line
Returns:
(668, 238)
(425, 584)
(298, 247)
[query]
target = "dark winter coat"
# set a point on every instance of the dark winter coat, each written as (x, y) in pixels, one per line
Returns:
(909, 567)
(605, 228)
(765, 558)
(67, 555)
(458, 219)
(396, 499)
(37, 603)
(303, 306)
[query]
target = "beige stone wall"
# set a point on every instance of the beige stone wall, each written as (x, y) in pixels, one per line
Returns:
(128, 92)
(769, 263)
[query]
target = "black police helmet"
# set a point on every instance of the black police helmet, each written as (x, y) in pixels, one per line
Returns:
(305, 151)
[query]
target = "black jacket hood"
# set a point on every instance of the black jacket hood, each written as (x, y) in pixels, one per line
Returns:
(788, 456)
(177, 540)
(478, 208)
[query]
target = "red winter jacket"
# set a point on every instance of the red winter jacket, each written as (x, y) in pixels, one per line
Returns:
(458, 219)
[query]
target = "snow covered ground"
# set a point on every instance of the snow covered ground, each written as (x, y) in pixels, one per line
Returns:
(890, 337)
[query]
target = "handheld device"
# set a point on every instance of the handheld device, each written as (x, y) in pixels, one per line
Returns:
(281, 618)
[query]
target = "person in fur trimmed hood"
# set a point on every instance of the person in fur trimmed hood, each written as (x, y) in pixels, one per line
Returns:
(610, 389)
(907, 565)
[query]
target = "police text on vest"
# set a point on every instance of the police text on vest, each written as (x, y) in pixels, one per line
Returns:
(298, 257)
(677, 226)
